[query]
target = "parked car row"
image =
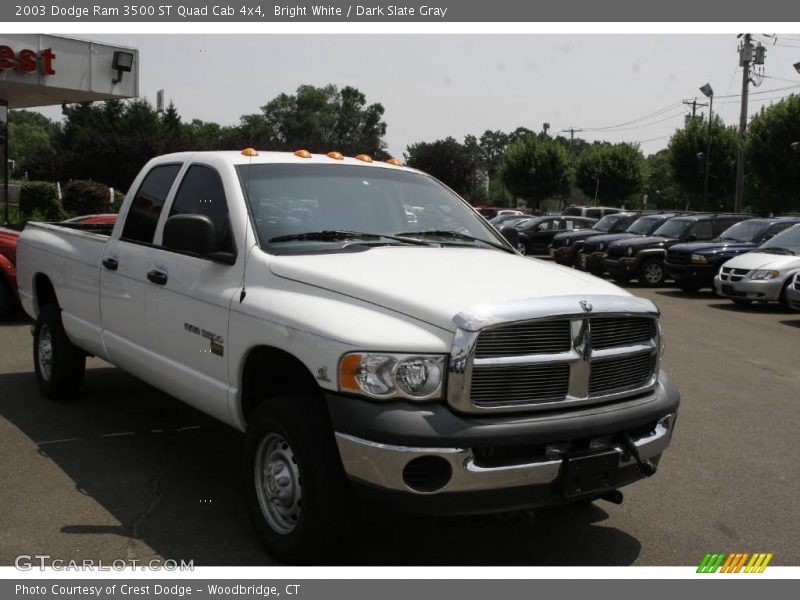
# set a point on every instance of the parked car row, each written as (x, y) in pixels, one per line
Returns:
(740, 257)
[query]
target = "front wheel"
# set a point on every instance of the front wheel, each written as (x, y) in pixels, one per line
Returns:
(297, 493)
(521, 248)
(652, 273)
(58, 363)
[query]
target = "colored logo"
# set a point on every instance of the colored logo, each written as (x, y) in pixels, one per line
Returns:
(738, 562)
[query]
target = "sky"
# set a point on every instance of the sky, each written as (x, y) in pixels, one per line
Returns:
(434, 86)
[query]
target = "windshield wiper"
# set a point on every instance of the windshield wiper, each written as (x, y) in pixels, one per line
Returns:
(333, 235)
(448, 233)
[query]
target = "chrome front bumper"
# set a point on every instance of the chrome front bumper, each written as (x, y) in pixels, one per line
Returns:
(748, 289)
(382, 465)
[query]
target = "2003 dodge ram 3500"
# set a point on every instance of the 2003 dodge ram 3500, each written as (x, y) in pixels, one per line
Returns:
(370, 332)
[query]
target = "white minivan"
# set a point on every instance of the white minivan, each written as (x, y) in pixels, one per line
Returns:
(764, 274)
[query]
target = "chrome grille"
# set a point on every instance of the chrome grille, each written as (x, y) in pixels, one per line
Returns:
(677, 257)
(614, 375)
(539, 337)
(732, 275)
(612, 332)
(523, 384)
(608, 351)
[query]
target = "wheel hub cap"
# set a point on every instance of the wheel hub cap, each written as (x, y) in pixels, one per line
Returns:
(278, 483)
(45, 352)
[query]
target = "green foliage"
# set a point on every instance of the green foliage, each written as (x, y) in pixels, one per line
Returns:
(536, 168)
(318, 119)
(687, 151)
(451, 162)
(659, 182)
(31, 144)
(39, 200)
(86, 197)
(611, 172)
(774, 165)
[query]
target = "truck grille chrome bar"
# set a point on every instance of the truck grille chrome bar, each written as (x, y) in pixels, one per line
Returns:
(552, 362)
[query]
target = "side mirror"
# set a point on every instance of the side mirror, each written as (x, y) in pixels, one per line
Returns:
(195, 234)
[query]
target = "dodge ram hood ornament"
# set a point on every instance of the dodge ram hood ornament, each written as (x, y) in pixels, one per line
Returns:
(586, 306)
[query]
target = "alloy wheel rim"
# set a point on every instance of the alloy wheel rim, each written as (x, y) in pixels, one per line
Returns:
(45, 352)
(278, 483)
(653, 273)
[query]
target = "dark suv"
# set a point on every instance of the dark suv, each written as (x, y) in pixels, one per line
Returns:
(565, 246)
(643, 258)
(694, 265)
(591, 256)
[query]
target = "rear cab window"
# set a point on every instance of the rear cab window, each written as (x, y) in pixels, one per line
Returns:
(145, 209)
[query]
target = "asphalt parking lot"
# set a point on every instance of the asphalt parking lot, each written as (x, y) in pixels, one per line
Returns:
(127, 472)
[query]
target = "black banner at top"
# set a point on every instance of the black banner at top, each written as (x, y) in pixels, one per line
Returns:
(452, 11)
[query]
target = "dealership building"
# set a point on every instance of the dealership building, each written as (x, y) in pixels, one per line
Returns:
(44, 70)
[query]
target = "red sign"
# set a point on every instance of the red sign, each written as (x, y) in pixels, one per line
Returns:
(27, 61)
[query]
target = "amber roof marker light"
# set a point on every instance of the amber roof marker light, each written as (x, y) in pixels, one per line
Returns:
(250, 152)
(364, 158)
(302, 153)
(395, 161)
(335, 155)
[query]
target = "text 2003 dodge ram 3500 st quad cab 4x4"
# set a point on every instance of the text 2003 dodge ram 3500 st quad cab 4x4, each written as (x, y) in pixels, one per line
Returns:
(366, 328)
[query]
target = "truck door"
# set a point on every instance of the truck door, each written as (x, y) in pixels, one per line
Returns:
(188, 305)
(123, 274)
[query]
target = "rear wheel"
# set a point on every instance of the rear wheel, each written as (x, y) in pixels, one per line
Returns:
(652, 273)
(297, 493)
(59, 364)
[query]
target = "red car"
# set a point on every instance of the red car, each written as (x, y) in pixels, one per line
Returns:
(8, 257)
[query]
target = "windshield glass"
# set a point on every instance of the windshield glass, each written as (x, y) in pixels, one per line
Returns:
(643, 226)
(789, 239)
(606, 223)
(572, 211)
(287, 200)
(746, 231)
(673, 228)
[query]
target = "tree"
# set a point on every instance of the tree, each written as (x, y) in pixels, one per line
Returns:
(659, 181)
(535, 169)
(687, 151)
(32, 142)
(610, 172)
(492, 146)
(319, 119)
(451, 162)
(773, 162)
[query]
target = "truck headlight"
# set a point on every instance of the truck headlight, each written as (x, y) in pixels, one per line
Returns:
(759, 274)
(699, 259)
(383, 376)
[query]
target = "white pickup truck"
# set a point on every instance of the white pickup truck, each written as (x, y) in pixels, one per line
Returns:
(365, 353)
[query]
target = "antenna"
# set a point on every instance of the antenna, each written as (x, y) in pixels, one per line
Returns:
(250, 153)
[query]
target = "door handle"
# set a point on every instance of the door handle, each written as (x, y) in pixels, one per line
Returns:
(111, 264)
(157, 277)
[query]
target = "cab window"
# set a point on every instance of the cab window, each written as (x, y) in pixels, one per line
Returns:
(142, 218)
(201, 193)
(702, 230)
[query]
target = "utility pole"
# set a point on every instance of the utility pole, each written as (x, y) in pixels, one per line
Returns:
(708, 92)
(694, 104)
(748, 55)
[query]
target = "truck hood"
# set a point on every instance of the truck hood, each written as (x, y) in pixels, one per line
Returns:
(435, 284)
(608, 238)
(764, 260)
(642, 242)
(713, 247)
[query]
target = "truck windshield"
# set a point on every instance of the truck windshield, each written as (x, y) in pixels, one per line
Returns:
(673, 228)
(606, 224)
(745, 231)
(301, 207)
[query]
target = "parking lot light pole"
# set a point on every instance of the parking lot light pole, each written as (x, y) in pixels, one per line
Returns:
(708, 92)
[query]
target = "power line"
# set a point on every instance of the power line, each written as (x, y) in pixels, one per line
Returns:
(636, 120)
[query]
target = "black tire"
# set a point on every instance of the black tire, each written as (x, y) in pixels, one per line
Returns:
(784, 297)
(689, 286)
(652, 273)
(59, 375)
(7, 301)
(317, 492)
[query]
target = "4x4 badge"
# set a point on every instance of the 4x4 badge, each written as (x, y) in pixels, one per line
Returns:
(586, 306)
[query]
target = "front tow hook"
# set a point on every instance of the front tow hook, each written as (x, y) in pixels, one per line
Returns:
(646, 466)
